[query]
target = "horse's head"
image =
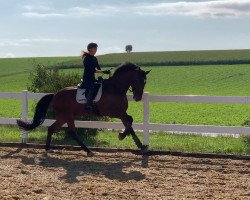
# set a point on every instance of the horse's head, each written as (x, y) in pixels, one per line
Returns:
(132, 75)
(138, 83)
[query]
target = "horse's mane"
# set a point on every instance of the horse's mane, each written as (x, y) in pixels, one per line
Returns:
(125, 67)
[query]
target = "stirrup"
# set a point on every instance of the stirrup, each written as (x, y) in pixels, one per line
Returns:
(89, 107)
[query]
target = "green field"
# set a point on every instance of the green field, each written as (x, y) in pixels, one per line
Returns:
(228, 80)
(21, 65)
(219, 80)
(159, 141)
(174, 58)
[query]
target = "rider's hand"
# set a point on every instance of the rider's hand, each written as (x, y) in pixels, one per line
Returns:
(106, 71)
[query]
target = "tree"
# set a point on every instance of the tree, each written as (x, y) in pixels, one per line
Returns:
(128, 48)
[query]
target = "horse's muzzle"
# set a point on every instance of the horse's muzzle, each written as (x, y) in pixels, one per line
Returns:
(137, 98)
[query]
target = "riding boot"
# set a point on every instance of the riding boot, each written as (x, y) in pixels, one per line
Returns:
(90, 98)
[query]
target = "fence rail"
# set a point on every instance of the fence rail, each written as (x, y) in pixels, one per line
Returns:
(145, 126)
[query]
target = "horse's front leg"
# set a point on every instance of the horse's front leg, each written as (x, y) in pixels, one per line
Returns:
(127, 120)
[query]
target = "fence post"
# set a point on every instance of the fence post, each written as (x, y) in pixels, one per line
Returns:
(24, 114)
(146, 119)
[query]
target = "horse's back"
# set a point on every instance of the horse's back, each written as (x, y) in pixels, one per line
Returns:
(67, 91)
(64, 97)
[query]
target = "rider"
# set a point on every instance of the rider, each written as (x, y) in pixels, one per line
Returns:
(91, 67)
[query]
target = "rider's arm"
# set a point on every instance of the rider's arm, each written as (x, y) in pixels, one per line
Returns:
(98, 68)
(102, 71)
(98, 71)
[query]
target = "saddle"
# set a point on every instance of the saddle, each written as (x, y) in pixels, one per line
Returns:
(81, 91)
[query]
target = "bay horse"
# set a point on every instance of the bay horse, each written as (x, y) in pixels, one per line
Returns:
(113, 103)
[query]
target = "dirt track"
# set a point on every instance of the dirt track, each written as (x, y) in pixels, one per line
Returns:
(33, 174)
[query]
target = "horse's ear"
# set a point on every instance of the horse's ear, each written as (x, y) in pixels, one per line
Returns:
(146, 72)
(137, 67)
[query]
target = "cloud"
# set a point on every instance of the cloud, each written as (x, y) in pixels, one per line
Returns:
(41, 15)
(45, 12)
(9, 55)
(4, 43)
(103, 10)
(214, 9)
(111, 49)
(28, 41)
(38, 7)
(42, 40)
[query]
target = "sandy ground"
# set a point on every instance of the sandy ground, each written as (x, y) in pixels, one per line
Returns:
(34, 174)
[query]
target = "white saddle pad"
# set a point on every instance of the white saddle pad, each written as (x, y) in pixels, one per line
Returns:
(80, 95)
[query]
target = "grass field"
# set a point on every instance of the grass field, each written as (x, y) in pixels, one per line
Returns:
(174, 58)
(159, 141)
(228, 80)
(21, 65)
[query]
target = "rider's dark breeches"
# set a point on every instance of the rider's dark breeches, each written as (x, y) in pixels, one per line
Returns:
(90, 92)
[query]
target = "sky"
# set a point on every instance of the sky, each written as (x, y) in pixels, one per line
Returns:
(31, 28)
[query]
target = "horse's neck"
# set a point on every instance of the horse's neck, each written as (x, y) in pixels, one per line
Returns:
(120, 84)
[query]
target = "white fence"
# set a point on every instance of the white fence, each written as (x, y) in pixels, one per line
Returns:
(146, 126)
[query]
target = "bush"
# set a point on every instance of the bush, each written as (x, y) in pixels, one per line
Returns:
(50, 80)
(246, 122)
(44, 80)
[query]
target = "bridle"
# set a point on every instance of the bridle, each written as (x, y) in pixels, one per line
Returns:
(130, 89)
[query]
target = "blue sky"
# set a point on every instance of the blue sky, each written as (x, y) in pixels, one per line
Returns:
(63, 28)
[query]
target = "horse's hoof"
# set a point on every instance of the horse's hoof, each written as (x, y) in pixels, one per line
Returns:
(121, 136)
(144, 149)
(48, 150)
(90, 154)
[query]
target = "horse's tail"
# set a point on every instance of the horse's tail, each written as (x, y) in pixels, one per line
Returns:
(40, 114)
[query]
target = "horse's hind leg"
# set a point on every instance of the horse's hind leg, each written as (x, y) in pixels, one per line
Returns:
(52, 129)
(72, 133)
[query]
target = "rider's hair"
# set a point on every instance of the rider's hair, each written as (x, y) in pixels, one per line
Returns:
(85, 53)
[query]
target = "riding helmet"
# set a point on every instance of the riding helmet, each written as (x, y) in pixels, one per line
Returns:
(92, 45)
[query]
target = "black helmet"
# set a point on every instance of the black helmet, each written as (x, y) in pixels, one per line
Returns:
(92, 45)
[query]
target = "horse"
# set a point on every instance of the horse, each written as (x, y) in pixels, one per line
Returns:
(113, 103)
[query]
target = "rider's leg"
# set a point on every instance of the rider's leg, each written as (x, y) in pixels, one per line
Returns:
(90, 97)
